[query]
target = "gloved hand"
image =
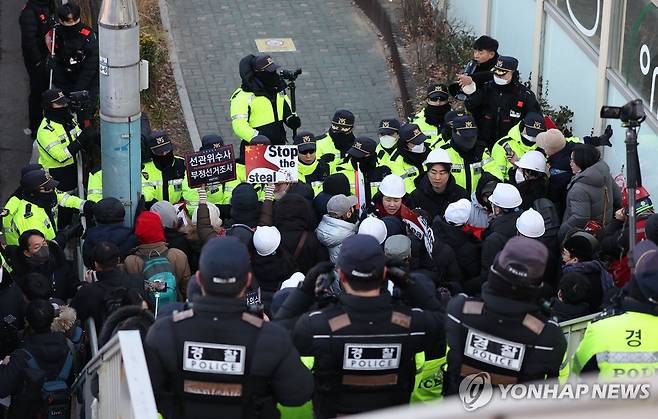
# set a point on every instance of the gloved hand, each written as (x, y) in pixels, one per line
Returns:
(398, 274)
(327, 158)
(293, 121)
(68, 233)
(604, 139)
(308, 287)
(601, 140)
(88, 209)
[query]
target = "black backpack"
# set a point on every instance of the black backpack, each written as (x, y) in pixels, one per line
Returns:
(547, 209)
(51, 398)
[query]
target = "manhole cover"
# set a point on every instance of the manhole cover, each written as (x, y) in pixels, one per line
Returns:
(275, 45)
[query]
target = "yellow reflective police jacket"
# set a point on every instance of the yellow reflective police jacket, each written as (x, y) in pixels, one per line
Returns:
(248, 112)
(467, 175)
(53, 142)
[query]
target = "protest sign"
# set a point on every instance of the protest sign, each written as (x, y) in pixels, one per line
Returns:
(216, 165)
(271, 163)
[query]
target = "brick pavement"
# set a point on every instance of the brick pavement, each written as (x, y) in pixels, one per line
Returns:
(340, 53)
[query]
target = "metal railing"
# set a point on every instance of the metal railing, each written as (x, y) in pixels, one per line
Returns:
(119, 373)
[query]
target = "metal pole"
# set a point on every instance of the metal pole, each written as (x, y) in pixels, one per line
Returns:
(293, 102)
(118, 30)
(633, 180)
(52, 56)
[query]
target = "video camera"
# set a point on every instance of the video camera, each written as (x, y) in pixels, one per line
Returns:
(79, 101)
(631, 114)
(290, 75)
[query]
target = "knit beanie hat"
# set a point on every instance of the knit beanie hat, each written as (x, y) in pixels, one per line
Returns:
(551, 141)
(167, 213)
(651, 229)
(148, 228)
(579, 247)
(336, 184)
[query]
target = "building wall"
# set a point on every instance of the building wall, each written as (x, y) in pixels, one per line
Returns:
(584, 64)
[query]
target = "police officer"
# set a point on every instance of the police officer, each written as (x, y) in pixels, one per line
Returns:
(362, 155)
(260, 106)
(311, 169)
(389, 135)
(362, 347)
(502, 102)
(59, 139)
(504, 332)
(333, 144)
(219, 355)
(76, 56)
(468, 155)
(35, 21)
(408, 159)
(215, 192)
(163, 178)
(36, 207)
(519, 140)
(430, 119)
(620, 343)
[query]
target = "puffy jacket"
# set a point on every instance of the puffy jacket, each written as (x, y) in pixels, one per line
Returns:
(436, 203)
(35, 24)
(457, 251)
(294, 219)
(591, 195)
(600, 282)
(500, 230)
(115, 233)
(560, 176)
(332, 231)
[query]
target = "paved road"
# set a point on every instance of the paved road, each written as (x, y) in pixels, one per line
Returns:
(15, 147)
(341, 56)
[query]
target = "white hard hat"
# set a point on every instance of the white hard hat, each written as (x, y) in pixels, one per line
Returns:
(458, 212)
(392, 186)
(533, 160)
(505, 196)
(531, 224)
(214, 213)
(266, 240)
(374, 227)
(438, 156)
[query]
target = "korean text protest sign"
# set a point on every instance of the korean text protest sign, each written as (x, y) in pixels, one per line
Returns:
(210, 166)
(271, 163)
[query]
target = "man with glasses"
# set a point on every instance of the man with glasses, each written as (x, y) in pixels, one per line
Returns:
(502, 103)
(311, 169)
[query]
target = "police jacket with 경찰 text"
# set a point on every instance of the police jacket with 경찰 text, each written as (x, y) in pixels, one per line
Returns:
(620, 344)
(509, 339)
(217, 357)
(363, 348)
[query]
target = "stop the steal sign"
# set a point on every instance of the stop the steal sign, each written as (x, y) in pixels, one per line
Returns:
(271, 163)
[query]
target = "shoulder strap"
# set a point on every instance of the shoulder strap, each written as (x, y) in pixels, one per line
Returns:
(605, 204)
(300, 246)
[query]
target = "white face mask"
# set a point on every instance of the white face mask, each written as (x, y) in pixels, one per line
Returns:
(387, 141)
(528, 137)
(518, 176)
(420, 148)
(500, 81)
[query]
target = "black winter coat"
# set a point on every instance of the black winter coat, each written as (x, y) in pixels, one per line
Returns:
(294, 218)
(500, 230)
(531, 190)
(35, 23)
(560, 176)
(457, 254)
(499, 108)
(434, 203)
(12, 314)
(76, 59)
(116, 233)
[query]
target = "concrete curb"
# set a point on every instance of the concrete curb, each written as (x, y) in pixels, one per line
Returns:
(178, 77)
(380, 13)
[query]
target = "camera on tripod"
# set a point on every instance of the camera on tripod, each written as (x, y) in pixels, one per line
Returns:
(290, 75)
(79, 101)
(631, 114)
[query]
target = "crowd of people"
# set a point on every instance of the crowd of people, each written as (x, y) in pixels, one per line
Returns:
(477, 229)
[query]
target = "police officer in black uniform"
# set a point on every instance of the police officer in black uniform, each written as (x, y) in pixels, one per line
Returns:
(35, 21)
(505, 333)
(218, 358)
(502, 102)
(76, 56)
(363, 345)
